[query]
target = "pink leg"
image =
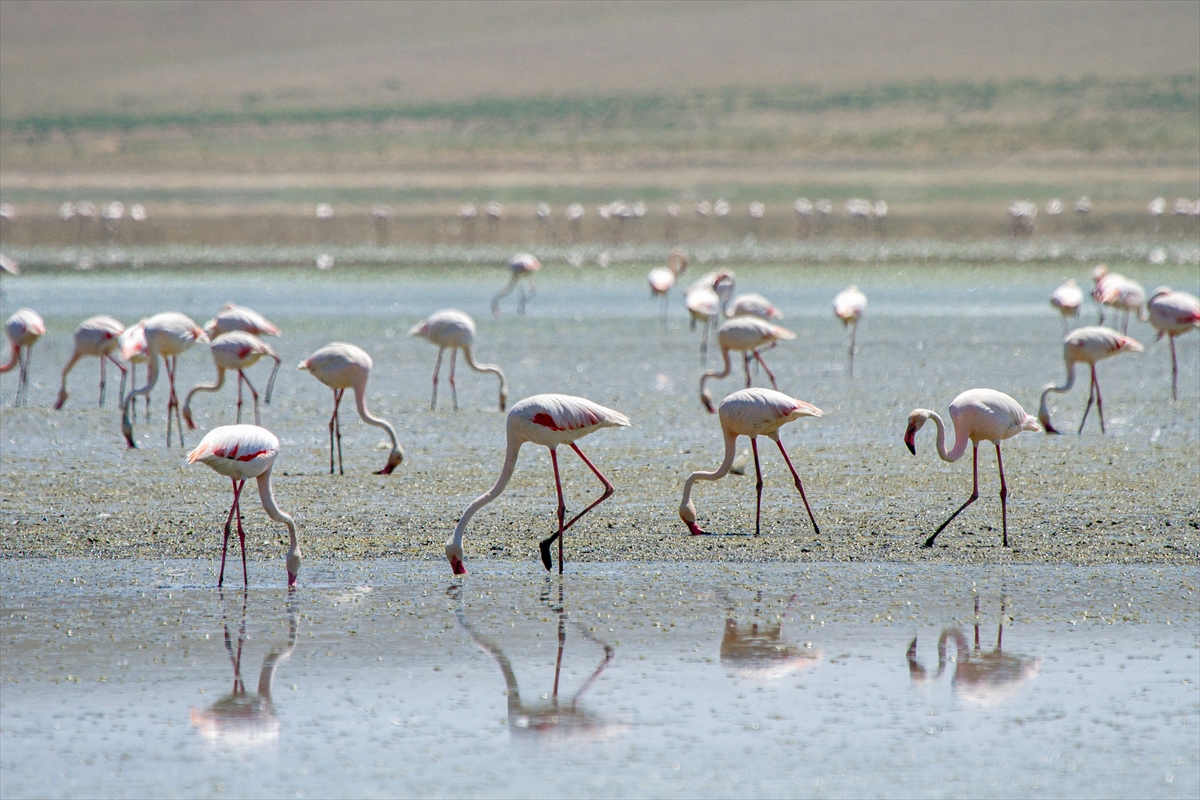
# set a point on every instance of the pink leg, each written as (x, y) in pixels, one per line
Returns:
(437, 367)
(974, 494)
(1091, 398)
(766, 369)
(1174, 371)
(704, 345)
(799, 486)
(562, 511)
(237, 490)
(240, 378)
(121, 367)
(1099, 399)
(758, 484)
(335, 429)
(608, 491)
(242, 541)
(453, 388)
(746, 363)
(253, 396)
(170, 396)
(103, 383)
(1003, 494)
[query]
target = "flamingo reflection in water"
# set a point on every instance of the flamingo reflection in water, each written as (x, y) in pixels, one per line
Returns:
(551, 717)
(758, 650)
(240, 718)
(980, 678)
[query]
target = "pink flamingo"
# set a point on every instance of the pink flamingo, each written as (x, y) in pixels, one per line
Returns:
(1117, 291)
(703, 305)
(743, 305)
(24, 328)
(167, 335)
(131, 348)
(1173, 314)
(1067, 299)
(233, 317)
(456, 330)
(849, 306)
(978, 414)
(747, 335)
(549, 420)
(1086, 345)
(522, 265)
(96, 337)
(662, 279)
(753, 413)
(236, 350)
(240, 452)
(343, 366)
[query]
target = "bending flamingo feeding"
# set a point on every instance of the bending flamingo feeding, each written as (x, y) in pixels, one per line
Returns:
(238, 351)
(454, 329)
(24, 328)
(522, 266)
(978, 415)
(167, 335)
(96, 337)
(849, 306)
(747, 335)
(549, 420)
(1087, 346)
(241, 452)
(233, 317)
(1173, 314)
(753, 413)
(343, 366)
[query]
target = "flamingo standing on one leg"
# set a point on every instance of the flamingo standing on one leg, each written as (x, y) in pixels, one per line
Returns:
(240, 452)
(747, 335)
(96, 337)
(239, 351)
(849, 306)
(978, 415)
(1173, 314)
(1067, 299)
(167, 335)
(662, 279)
(549, 420)
(131, 348)
(522, 265)
(233, 317)
(456, 330)
(343, 366)
(24, 328)
(753, 413)
(1086, 345)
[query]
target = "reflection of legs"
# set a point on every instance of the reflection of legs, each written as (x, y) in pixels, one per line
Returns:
(758, 484)
(799, 485)
(237, 490)
(608, 490)
(437, 367)
(1003, 494)
(974, 495)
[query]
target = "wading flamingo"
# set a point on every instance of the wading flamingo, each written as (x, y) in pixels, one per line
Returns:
(240, 452)
(662, 279)
(1086, 345)
(703, 305)
(549, 420)
(96, 337)
(753, 413)
(978, 415)
(1117, 291)
(1173, 314)
(343, 366)
(131, 348)
(167, 335)
(747, 335)
(454, 329)
(24, 328)
(1067, 299)
(849, 306)
(233, 317)
(239, 351)
(522, 265)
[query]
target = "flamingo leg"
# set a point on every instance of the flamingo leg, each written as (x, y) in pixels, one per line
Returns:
(1099, 399)
(1091, 398)
(437, 367)
(758, 484)
(1174, 371)
(766, 369)
(241, 377)
(335, 432)
(237, 490)
(704, 344)
(974, 495)
(453, 387)
(123, 373)
(562, 512)
(170, 396)
(241, 539)
(103, 383)
(253, 396)
(746, 363)
(608, 491)
(853, 348)
(799, 485)
(507, 290)
(1003, 495)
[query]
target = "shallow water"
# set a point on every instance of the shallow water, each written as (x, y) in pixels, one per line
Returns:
(386, 678)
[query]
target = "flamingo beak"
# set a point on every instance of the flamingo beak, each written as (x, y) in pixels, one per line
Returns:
(457, 566)
(127, 430)
(707, 401)
(694, 528)
(910, 441)
(187, 417)
(291, 579)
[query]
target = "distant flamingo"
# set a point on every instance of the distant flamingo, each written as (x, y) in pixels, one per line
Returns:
(1173, 314)
(849, 306)
(454, 329)
(703, 305)
(96, 337)
(233, 317)
(240, 452)
(24, 328)
(662, 279)
(978, 415)
(167, 335)
(131, 348)
(1117, 291)
(747, 335)
(753, 413)
(239, 351)
(343, 366)
(522, 265)
(743, 305)
(1067, 299)
(1086, 345)
(549, 420)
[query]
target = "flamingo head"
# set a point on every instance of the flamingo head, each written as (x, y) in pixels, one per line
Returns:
(62, 396)
(293, 566)
(916, 421)
(187, 417)
(127, 429)
(394, 460)
(707, 399)
(687, 513)
(454, 554)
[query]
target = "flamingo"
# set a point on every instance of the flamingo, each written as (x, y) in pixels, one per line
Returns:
(454, 329)
(522, 265)
(978, 414)
(1119, 292)
(233, 317)
(24, 328)
(239, 351)
(343, 366)
(131, 348)
(703, 305)
(1173, 314)
(747, 335)
(96, 337)
(662, 279)
(240, 452)
(849, 306)
(1067, 299)
(549, 420)
(167, 335)
(751, 412)
(743, 305)
(759, 651)
(1086, 345)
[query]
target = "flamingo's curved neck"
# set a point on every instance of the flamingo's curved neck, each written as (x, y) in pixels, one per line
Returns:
(206, 387)
(960, 440)
(360, 401)
(14, 358)
(267, 497)
(266, 676)
(1043, 411)
(271, 382)
(721, 471)
(151, 377)
(724, 373)
(506, 471)
(492, 368)
(725, 294)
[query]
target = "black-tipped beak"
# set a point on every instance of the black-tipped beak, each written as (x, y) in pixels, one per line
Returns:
(910, 443)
